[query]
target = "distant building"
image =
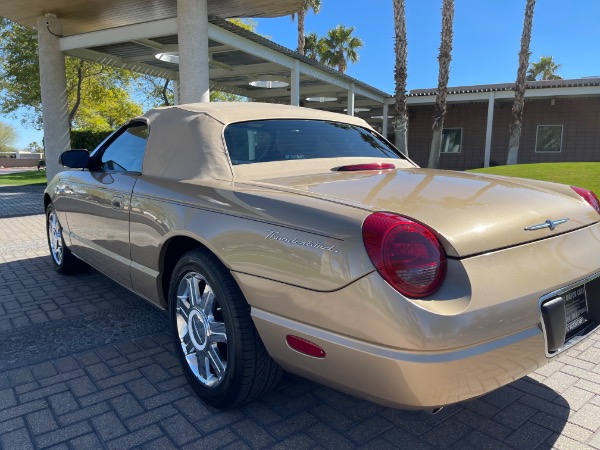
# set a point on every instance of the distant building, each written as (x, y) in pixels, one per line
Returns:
(561, 122)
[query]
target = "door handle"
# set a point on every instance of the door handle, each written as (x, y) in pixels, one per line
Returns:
(117, 202)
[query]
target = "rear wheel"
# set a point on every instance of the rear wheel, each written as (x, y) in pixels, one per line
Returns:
(64, 261)
(216, 342)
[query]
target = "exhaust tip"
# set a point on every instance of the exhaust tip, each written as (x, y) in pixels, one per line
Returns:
(435, 410)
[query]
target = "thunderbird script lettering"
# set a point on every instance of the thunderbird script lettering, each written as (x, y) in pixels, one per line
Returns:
(276, 236)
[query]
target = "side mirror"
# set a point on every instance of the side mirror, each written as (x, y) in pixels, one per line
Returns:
(75, 159)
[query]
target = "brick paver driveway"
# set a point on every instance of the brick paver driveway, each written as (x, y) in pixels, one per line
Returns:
(86, 364)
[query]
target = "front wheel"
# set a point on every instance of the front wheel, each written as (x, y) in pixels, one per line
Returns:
(216, 342)
(64, 261)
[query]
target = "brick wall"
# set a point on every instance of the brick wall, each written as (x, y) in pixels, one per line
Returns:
(14, 162)
(580, 118)
(470, 117)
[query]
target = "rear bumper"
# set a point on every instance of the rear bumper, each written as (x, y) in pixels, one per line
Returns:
(401, 379)
(425, 379)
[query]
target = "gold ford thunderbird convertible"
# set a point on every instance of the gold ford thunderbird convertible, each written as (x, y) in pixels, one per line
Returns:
(284, 238)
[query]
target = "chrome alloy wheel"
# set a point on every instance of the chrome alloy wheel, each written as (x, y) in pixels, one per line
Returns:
(55, 237)
(201, 329)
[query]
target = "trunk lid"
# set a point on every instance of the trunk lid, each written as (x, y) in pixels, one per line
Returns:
(470, 213)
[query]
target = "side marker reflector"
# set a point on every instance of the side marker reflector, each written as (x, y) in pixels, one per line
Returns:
(304, 346)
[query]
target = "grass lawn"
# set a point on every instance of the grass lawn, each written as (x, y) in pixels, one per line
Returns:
(23, 178)
(585, 175)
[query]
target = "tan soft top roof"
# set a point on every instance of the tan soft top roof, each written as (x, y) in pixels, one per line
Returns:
(186, 142)
(230, 112)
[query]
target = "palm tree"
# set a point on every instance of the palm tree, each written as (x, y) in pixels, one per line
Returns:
(312, 46)
(444, 59)
(315, 5)
(545, 69)
(519, 102)
(339, 47)
(400, 75)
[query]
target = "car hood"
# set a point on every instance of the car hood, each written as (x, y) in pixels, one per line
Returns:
(470, 213)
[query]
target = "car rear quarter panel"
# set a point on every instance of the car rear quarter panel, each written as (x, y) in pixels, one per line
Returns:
(281, 236)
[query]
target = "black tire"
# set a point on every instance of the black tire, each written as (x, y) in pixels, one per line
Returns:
(64, 261)
(245, 371)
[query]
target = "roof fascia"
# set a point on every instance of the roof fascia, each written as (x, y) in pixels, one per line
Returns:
(166, 27)
(577, 91)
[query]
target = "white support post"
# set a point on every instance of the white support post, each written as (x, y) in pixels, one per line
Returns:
(295, 85)
(192, 32)
(489, 129)
(351, 100)
(384, 127)
(175, 92)
(53, 84)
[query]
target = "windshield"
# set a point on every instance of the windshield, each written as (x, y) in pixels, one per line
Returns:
(283, 139)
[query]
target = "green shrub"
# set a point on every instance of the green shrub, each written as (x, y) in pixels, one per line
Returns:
(87, 139)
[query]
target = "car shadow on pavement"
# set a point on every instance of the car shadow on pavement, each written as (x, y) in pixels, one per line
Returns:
(97, 362)
(524, 414)
(19, 201)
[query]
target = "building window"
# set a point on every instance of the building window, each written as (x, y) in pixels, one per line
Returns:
(451, 140)
(548, 138)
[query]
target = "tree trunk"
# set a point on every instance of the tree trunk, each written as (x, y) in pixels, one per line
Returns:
(164, 92)
(301, 15)
(442, 91)
(400, 75)
(436, 144)
(519, 103)
(401, 133)
(78, 93)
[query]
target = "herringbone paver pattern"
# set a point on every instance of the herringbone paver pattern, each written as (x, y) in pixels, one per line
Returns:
(86, 364)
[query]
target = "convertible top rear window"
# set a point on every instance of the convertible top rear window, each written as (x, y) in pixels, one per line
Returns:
(285, 139)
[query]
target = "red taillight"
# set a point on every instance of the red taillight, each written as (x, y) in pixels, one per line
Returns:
(589, 197)
(368, 166)
(406, 254)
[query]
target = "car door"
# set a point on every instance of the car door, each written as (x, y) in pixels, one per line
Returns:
(100, 198)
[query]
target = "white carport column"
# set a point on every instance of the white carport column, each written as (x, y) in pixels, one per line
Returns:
(384, 126)
(192, 31)
(175, 92)
(488, 131)
(350, 110)
(295, 84)
(53, 84)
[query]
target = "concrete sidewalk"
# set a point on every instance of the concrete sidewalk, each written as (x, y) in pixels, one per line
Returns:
(86, 364)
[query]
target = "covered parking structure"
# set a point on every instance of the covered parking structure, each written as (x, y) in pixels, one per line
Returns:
(189, 42)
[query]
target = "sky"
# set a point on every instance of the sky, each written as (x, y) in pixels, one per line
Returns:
(487, 35)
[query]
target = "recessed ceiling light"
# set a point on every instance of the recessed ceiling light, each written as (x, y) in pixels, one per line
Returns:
(269, 84)
(168, 53)
(359, 109)
(321, 99)
(170, 57)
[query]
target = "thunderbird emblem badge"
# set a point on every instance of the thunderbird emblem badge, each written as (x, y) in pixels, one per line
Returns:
(275, 235)
(552, 224)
